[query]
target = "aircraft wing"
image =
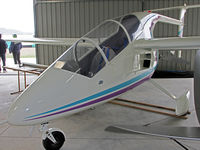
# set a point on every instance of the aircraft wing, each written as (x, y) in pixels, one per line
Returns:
(173, 43)
(176, 7)
(46, 41)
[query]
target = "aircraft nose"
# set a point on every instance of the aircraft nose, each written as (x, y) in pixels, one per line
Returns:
(11, 116)
(16, 114)
(39, 98)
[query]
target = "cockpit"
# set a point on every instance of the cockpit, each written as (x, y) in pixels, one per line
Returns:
(98, 47)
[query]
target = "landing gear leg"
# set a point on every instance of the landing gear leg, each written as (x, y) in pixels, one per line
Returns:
(52, 138)
(182, 102)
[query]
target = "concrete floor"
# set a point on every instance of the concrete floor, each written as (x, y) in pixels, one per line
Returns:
(85, 130)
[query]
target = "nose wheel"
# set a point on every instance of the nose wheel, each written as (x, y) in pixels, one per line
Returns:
(53, 139)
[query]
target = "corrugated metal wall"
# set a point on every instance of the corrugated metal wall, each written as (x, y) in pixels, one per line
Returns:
(74, 18)
(191, 28)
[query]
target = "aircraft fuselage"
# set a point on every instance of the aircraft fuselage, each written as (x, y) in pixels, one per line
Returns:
(99, 67)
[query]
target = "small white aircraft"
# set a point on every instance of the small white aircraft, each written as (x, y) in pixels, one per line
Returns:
(116, 56)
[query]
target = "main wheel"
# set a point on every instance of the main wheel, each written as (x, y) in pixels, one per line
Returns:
(60, 139)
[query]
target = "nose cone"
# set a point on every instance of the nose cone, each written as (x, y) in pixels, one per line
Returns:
(15, 114)
(25, 105)
(41, 96)
(19, 110)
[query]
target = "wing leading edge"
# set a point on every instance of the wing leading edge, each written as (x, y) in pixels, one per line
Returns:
(45, 41)
(173, 43)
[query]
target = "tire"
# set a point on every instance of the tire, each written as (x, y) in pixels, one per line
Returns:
(49, 145)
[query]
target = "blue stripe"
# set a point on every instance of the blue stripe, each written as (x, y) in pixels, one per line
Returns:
(100, 93)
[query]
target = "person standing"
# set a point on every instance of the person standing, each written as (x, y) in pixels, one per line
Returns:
(15, 49)
(3, 47)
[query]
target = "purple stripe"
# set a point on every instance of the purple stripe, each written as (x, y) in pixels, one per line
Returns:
(97, 100)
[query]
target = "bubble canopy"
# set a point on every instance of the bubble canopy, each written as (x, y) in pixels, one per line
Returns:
(94, 50)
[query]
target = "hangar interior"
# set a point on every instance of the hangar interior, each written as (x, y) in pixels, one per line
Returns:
(74, 18)
(86, 130)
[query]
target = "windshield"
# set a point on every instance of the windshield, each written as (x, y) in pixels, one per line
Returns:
(91, 53)
(73, 57)
(110, 34)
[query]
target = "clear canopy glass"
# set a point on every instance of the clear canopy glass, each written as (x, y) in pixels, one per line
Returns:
(91, 53)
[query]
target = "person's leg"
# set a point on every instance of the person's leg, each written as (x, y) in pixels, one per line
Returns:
(0, 62)
(18, 58)
(15, 57)
(4, 61)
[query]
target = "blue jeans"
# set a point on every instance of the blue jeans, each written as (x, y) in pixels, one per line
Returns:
(16, 56)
